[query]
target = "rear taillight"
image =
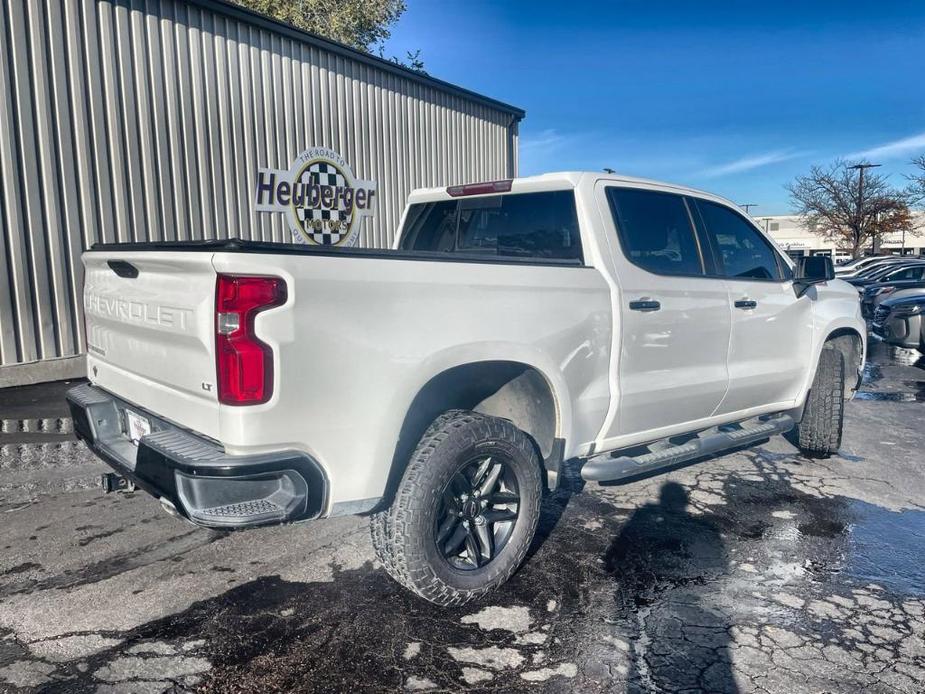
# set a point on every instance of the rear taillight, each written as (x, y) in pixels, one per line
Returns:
(244, 364)
(480, 188)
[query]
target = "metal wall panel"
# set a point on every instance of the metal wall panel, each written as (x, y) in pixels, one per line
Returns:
(138, 120)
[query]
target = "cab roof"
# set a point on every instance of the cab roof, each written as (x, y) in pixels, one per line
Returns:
(558, 180)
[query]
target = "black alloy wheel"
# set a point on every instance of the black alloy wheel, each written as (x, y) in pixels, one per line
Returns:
(477, 512)
(465, 511)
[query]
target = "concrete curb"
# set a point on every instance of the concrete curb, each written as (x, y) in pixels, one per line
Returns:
(44, 425)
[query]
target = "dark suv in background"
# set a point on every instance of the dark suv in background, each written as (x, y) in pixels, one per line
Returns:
(899, 319)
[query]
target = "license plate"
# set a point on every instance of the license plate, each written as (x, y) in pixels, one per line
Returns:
(137, 426)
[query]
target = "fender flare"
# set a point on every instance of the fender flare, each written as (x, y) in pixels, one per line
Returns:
(463, 355)
(833, 329)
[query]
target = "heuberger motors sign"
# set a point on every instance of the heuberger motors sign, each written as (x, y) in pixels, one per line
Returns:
(323, 202)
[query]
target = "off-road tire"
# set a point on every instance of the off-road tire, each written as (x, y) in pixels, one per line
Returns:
(403, 534)
(819, 431)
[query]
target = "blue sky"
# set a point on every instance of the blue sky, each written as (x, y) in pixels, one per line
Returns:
(737, 98)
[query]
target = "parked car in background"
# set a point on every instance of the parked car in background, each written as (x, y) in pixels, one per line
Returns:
(912, 270)
(841, 258)
(870, 268)
(857, 264)
(878, 292)
(898, 320)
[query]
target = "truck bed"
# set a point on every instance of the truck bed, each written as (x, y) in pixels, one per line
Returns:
(351, 346)
(236, 245)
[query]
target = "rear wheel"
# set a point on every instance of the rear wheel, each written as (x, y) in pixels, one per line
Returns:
(820, 430)
(465, 511)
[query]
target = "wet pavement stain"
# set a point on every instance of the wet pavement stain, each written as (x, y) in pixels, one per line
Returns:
(918, 396)
(20, 568)
(887, 547)
(873, 372)
(95, 572)
(647, 599)
(823, 528)
(84, 541)
(876, 382)
(891, 355)
(743, 573)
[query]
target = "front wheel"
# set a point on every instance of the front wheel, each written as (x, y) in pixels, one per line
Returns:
(819, 431)
(465, 511)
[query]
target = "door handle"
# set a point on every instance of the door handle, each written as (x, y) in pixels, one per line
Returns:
(122, 268)
(746, 304)
(644, 305)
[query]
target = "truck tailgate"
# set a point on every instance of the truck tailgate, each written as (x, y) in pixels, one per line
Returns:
(150, 332)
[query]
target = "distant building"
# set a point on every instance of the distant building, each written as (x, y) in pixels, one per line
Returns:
(797, 240)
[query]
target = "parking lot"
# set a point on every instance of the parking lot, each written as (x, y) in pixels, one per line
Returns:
(755, 571)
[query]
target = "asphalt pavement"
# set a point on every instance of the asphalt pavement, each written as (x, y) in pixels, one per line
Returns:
(757, 571)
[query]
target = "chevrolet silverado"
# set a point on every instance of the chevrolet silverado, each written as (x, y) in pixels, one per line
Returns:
(438, 386)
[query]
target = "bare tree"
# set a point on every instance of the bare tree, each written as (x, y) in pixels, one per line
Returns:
(917, 180)
(833, 204)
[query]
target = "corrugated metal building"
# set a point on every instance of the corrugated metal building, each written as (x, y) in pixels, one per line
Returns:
(137, 120)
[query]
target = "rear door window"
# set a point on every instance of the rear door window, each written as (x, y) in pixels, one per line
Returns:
(655, 231)
(910, 273)
(522, 225)
(742, 251)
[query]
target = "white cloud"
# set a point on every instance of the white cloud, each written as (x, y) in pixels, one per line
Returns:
(547, 139)
(906, 146)
(548, 150)
(751, 162)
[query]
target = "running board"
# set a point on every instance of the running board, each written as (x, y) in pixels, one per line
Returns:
(709, 442)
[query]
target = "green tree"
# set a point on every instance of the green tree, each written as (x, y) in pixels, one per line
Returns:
(833, 204)
(362, 24)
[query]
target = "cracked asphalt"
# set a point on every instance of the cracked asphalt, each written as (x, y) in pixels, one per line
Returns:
(757, 571)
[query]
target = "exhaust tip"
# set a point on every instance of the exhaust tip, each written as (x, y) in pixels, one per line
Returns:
(168, 506)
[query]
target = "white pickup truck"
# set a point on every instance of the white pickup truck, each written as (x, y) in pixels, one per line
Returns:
(439, 386)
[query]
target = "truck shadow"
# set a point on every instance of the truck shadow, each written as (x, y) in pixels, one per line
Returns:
(674, 645)
(555, 503)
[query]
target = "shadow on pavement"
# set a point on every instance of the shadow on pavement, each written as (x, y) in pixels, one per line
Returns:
(663, 547)
(621, 597)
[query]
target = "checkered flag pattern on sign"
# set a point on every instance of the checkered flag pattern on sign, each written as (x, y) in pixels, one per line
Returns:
(316, 222)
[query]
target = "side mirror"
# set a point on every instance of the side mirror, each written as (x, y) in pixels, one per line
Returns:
(812, 270)
(815, 268)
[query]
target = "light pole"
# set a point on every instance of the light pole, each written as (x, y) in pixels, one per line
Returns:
(860, 169)
(747, 206)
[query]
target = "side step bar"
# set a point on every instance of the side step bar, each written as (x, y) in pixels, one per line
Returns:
(609, 469)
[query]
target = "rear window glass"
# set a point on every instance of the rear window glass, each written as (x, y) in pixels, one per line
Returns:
(522, 225)
(655, 231)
